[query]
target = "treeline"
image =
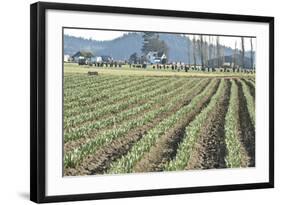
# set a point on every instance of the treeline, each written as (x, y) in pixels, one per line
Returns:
(123, 47)
(178, 48)
(212, 53)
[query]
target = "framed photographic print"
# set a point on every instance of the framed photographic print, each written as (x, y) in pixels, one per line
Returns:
(129, 102)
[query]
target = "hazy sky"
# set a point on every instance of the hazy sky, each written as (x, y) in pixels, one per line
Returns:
(103, 35)
(100, 35)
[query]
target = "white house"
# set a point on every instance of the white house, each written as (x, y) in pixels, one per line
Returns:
(66, 58)
(153, 57)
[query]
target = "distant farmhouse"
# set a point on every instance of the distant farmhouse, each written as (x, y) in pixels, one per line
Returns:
(154, 57)
(231, 60)
(101, 59)
(81, 57)
(85, 57)
(66, 58)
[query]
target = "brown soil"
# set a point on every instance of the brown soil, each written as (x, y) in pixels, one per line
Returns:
(99, 162)
(166, 146)
(210, 150)
(247, 128)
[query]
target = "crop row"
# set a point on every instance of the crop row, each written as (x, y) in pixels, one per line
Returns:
(93, 86)
(111, 96)
(74, 158)
(82, 81)
(250, 102)
(106, 111)
(232, 130)
(105, 107)
(83, 93)
(87, 129)
(192, 132)
(127, 162)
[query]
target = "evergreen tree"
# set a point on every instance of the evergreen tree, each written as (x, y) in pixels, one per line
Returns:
(133, 58)
(147, 39)
(151, 42)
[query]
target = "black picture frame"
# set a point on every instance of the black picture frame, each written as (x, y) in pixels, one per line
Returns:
(38, 101)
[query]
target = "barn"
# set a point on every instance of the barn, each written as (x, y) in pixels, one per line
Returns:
(86, 55)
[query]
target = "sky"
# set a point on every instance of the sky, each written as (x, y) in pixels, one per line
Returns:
(103, 35)
(100, 35)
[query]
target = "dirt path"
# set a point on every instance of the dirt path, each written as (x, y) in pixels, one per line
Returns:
(210, 150)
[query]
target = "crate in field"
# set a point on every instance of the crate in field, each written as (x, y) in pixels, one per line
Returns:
(93, 73)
